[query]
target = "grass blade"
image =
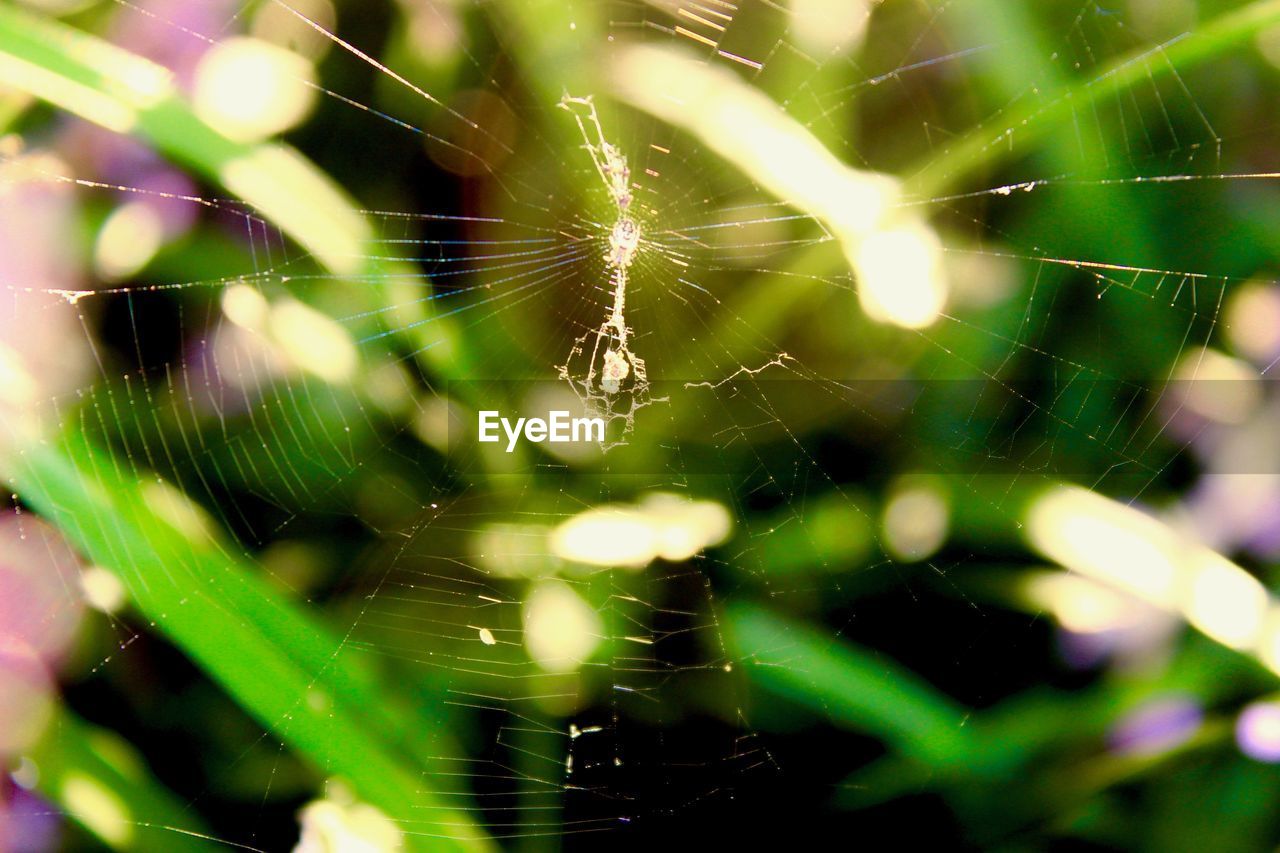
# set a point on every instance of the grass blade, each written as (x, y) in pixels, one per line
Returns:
(985, 145)
(100, 782)
(850, 685)
(281, 667)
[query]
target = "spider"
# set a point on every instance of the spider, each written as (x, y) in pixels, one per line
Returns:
(623, 243)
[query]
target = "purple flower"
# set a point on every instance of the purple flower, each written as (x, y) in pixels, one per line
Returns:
(1258, 731)
(175, 33)
(40, 597)
(27, 823)
(40, 608)
(1156, 726)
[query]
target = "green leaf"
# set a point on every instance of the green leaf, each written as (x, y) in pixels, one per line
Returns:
(1035, 118)
(852, 686)
(120, 91)
(284, 669)
(279, 664)
(101, 783)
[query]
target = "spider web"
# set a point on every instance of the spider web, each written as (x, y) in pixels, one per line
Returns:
(325, 419)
